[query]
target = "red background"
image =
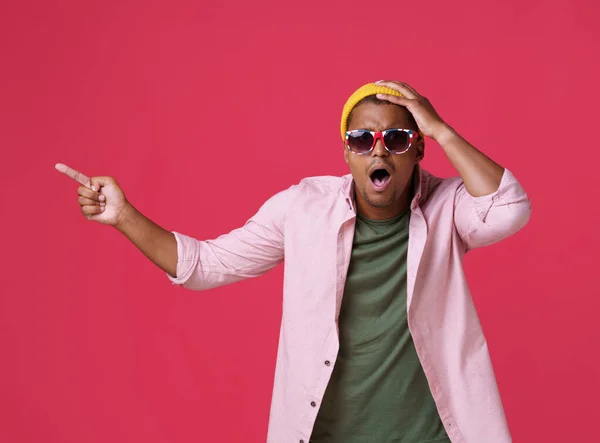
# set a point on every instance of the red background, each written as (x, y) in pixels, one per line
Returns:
(201, 111)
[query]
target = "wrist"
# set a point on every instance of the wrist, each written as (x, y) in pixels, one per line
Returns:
(126, 217)
(444, 135)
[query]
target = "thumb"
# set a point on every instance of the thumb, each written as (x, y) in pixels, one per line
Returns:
(98, 182)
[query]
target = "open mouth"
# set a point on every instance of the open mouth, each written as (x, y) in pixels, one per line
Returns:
(380, 177)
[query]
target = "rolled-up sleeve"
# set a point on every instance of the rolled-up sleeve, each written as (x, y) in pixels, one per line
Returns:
(482, 221)
(245, 252)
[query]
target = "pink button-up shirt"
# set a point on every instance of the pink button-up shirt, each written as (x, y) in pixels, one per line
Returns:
(310, 227)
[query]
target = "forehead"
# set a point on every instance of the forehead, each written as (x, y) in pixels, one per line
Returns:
(378, 117)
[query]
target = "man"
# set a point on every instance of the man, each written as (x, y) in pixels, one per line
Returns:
(380, 341)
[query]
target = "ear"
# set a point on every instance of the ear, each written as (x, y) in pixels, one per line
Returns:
(420, 148)
(346, 153)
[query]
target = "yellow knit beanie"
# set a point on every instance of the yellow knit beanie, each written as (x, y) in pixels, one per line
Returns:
(358, 95)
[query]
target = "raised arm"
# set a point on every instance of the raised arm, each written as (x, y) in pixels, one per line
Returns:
(490, 204)
(243, 253)
(102, 200)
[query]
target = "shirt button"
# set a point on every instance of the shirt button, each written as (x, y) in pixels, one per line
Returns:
(327, 362)
(301, 441)
(313, 404)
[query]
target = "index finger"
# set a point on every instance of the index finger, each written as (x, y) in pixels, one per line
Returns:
(404, 89)
(75, 175)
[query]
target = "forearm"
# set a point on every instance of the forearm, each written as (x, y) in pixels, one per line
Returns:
(156, 243)
(480, 174)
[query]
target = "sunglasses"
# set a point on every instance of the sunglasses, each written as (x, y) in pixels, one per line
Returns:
(396, 141)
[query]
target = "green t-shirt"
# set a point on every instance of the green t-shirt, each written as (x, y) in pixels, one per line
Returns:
(378, 392)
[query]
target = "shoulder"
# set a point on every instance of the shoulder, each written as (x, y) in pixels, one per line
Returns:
(436, 189)
(310, 191)
(324, 185)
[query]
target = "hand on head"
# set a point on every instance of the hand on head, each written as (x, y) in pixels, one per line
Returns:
(429, 121)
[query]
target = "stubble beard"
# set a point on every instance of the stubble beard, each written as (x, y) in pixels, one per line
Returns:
(375, 204)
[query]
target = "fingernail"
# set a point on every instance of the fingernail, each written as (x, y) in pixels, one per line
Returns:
(101, 198)
(379, 95)
(378, 81)
(102, 208)
(102, 204)
(93, 188)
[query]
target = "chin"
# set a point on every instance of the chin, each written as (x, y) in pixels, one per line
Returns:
(381, 203)
(384, 200)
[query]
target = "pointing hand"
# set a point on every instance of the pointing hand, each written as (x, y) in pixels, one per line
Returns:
(101, 199)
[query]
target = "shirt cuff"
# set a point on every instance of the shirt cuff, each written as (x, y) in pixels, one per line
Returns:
(508, 189)
(187, 258)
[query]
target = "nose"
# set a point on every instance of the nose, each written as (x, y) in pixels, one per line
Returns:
(379, 149)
